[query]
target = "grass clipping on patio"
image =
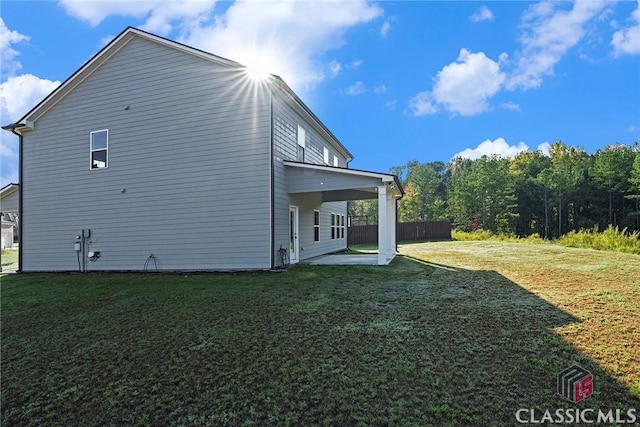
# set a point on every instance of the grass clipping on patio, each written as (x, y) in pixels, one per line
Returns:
(452, 333)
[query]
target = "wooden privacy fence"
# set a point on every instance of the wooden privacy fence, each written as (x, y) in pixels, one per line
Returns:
(405, 231)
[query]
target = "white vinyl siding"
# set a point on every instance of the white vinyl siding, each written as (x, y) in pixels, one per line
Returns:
(197, 195)
(286, 120)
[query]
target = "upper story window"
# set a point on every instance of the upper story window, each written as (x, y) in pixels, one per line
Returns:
(302, 136)
(335, 160)
(99, 148)
(326, 156)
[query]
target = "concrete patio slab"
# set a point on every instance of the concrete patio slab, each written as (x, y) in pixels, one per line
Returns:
(343, 260)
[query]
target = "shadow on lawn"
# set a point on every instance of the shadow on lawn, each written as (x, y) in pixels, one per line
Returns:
(414, 343)
(497, 344)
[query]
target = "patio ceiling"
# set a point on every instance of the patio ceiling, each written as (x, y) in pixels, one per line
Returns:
(338, 184)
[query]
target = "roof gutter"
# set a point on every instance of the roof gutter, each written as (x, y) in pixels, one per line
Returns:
(16, 128)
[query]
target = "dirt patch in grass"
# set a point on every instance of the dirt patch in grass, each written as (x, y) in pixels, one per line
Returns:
(454, 333)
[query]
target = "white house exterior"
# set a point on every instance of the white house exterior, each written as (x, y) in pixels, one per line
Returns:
(158, 155)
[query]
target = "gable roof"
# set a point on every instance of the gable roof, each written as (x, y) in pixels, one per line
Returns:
(8, 189)
(27, 122)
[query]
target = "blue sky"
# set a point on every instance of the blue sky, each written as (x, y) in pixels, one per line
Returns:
(394, 81)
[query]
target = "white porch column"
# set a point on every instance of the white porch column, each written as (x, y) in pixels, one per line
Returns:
(386, 226)
(391, 218)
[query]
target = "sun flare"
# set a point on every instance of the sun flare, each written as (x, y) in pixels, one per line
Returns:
(257, 74)
(260, 66)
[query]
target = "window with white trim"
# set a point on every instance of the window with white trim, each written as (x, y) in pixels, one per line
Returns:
(316, 225)
(335, 160)
(99, 147)
(333, 226)
(326, 155)
(302, 136)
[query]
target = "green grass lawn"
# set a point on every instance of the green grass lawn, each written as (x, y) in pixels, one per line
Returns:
(9, 259)
(451, 333)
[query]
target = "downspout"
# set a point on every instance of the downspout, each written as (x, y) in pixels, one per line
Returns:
(272, 184)
(396, 233)
(397, 199)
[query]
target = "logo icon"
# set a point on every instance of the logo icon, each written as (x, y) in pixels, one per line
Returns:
(575, 383)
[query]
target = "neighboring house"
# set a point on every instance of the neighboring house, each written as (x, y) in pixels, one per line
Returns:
(6, 236)
(10, 198)
(156, 154)
(9, 208)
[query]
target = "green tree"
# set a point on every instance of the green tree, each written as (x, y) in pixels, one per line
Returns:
(612, 169)
(532, 195)
(461, 200)
(634, 185)
(482, 194)
(364, 211)
(566, 172)
(493, 184)
(424, 191)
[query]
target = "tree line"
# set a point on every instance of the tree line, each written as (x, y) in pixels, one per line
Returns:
(532, 193)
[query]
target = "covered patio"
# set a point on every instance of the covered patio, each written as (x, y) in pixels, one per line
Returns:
(336, 184)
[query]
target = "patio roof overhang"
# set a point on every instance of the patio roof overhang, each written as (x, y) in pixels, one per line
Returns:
(336, 184)
(339, 184)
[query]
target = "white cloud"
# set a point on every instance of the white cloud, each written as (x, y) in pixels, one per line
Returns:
(7, 53)
(386, 26)
(334, 68)
(544, 148)
(161, 15)
(106, 40)
(282, 37)
(17, 96)
(627, 40)
(422, 104)
(483, 13)
(380, 89)
(549, 34)
(510, 106)
(462, 87)
(21, 93)
(498, 146)
(291, 35)
(358, 88)
(501, 148)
